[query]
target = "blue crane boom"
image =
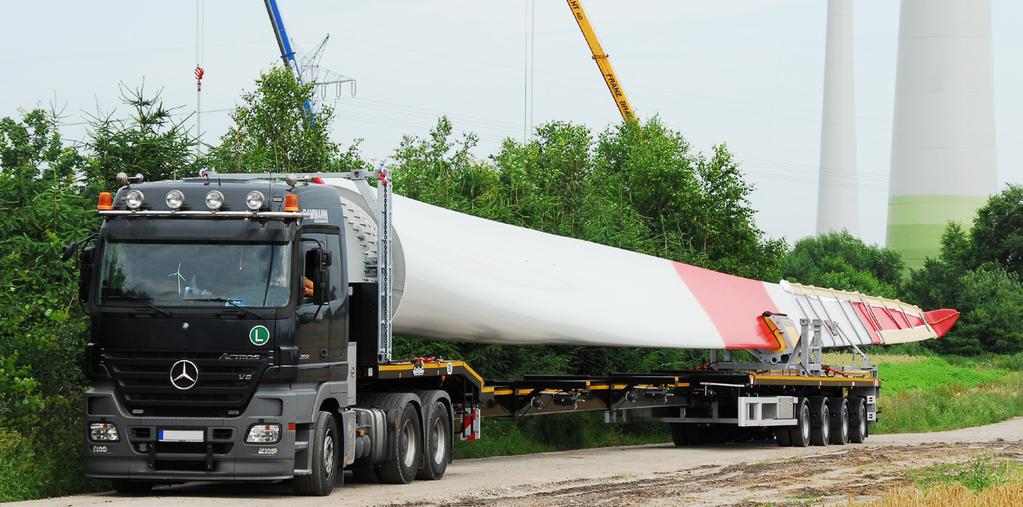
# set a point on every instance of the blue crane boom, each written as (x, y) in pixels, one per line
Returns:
(287, 52)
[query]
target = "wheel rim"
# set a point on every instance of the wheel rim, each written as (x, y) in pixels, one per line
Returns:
(328, 454)
(863, 421)
(440, 437)
(845, 427)
(408, 435)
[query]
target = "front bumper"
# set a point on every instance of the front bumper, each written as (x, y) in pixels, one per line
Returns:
(222, 455)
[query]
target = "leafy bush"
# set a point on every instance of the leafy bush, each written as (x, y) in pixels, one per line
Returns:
(839, 260)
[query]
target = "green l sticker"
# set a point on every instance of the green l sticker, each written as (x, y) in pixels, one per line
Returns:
(259, 335)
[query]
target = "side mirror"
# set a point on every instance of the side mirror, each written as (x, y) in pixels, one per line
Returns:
(69, 251)
(85, 262)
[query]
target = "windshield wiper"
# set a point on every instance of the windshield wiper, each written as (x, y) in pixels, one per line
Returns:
(232, 303)
(144, 300)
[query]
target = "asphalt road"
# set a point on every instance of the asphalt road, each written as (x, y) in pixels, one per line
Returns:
(731, 474)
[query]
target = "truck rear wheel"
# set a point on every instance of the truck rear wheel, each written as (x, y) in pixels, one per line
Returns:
(132, 487)
(437, 447)
(799, 435)
(820, 432)
(857, 420)
(404, 446)
(839, 420)
(325, 453)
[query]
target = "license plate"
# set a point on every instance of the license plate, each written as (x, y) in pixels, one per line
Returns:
(182, 435)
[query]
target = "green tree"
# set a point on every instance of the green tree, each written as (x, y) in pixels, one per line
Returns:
(43, 205)
(838, 260)
(273, 133)
(148, 142)
(991, 302)
(997, 232)
(696, 207)
(938, 283)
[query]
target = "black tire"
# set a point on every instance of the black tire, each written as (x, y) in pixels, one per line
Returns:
(326, 459)
(839, 420)
(678, 434)
(132, 487)
(438, 432)
(820, 414)
(799, 435)
(782, 436)
(404, 449)
(696, 434)
(857, 420)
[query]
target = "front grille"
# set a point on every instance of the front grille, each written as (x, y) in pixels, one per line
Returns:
(226, 381)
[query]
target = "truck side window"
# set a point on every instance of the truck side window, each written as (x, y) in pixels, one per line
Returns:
(332, 245)
(308, 266)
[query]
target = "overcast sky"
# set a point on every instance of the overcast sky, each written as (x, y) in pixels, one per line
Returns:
(744, 72)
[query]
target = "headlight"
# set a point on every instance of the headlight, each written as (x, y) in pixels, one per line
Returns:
(175, 199)
(254, 200)
(133, 199)
(214, 200)
(264, 434)
(103, 432)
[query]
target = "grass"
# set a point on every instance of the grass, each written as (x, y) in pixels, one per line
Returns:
(931, 393)
(959, 496)
(982, 482)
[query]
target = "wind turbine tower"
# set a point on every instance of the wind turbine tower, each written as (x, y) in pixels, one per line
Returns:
(837, 193)
(943, 136)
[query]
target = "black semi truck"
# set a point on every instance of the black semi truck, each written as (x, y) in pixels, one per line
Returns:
(240, 332)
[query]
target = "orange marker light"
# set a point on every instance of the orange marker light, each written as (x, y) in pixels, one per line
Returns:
(106, 201)
(291, 202)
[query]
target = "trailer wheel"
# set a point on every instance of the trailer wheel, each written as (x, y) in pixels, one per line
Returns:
(858, 420)
(678, 434)
(839, 420)
(799, 435)
(437, 448)
(404, 447)
(782, 435)
(325, 452)
(132, 487)
(821, 416)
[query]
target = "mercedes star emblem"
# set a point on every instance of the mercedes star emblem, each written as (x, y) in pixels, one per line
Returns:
(184, 374)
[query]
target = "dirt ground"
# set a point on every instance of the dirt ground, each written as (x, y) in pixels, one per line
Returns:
(722, 475)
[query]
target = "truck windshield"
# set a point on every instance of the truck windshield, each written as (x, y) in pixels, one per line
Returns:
(195, 274)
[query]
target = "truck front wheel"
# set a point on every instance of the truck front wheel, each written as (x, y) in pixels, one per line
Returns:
(325, 447)
(404, 449)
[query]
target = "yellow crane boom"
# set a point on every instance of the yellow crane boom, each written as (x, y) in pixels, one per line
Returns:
(603, 63)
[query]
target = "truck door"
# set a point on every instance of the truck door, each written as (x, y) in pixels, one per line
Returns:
(338, 302)
(312, 329)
